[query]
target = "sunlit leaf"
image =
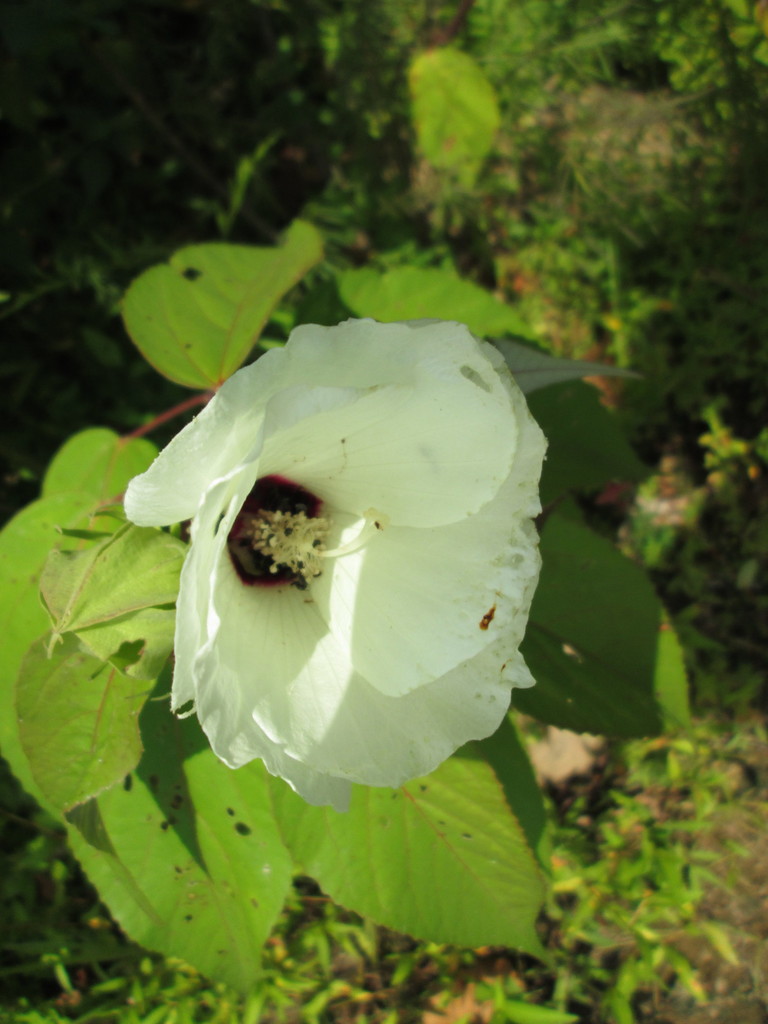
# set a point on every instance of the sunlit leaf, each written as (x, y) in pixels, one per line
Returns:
(518, 1012)
(596, 640)
(454, 110)
(108, 595)
(443, 857)
(137, 567)
(414, 293)
(505, 753)
(197, 317)
(77, 722)
(24, 545)
(186, 853)
(97, 463)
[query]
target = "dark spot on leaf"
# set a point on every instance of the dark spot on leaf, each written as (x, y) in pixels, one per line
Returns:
(191, 273)
(230, 812)
(487, 619)
(177, 869)
(127, 783)
(177, 801)
(242, 829)
(171, 819)
(165, 825)
(423, 788)
(188, 917)
(154, 782)
(466, 835)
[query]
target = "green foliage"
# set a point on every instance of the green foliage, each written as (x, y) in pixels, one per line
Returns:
(462, 837)
(197, 318)
(619, 679)
(77, 723)
(606, 199)
(455, 112)
(97, 463)
(187, 854)
(111, 596)
(415, 293)
(183, 878)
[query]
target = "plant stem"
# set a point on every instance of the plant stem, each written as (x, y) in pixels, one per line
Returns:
(189, 403)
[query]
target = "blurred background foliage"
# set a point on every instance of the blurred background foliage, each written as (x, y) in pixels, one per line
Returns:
(610, 190)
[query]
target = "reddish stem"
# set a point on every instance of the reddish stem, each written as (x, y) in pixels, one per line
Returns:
(446, 35)
(189, 403)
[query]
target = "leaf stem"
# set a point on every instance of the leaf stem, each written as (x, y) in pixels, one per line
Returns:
(189, 403)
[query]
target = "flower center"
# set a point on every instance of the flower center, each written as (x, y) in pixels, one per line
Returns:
(278, 535)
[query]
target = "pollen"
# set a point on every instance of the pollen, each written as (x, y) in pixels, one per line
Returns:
(291, 541)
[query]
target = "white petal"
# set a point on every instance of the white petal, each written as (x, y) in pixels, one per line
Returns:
(364, 353)
(210, 527)
(274, 683)
(415, 603)
(212, 445)
(422, 456)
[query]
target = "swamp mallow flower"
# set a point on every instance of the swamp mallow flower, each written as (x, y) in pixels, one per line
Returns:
(362, 556)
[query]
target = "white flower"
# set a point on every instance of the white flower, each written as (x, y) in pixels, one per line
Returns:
(362, 556)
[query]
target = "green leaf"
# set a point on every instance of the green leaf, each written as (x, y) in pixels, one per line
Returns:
(505, 753)
(671, 680)
(442, 858)
(138, 644)
(587, 446)
(596, 640)
(77, 723)
(518, 1012)
(186, 853)
(24, 545)
(534, 369)
(454, 110)
(414, 293)
(97, 463)
(196, 318)
(137, 567)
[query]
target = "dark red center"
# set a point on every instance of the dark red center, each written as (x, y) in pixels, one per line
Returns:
(269, 494)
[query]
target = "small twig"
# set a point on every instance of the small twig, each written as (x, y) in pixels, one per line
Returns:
(189, 403)
(444, 36)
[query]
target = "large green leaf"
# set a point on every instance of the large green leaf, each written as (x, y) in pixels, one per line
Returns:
(25, 543)
(507, 756)
(596, 641)
(77, 723)
(454, 110)
(97, 463)
(442, 858)
(24, 546)
(587, 447)
(413, 293)
(186, 853)
(196, 318)
(107, 594)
